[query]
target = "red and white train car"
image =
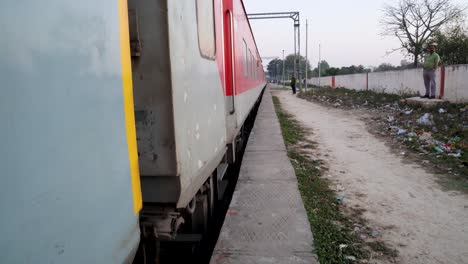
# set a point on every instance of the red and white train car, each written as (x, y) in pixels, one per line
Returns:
(72, 159)
(197, 74)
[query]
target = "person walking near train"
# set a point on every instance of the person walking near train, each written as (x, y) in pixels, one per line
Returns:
(431, 62)
(293, 84)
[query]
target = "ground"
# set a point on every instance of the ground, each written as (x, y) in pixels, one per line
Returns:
(436, 135)
(400, 201)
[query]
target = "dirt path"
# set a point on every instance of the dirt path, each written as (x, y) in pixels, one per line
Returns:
(401, 200)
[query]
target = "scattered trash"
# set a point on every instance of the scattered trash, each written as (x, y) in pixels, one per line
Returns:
(409, 112)
(340, 198)
(438, 149)
(440, 133)
(341, 246)
(375, 233)
(339, 188)
(425, 120)
(446, 148)
(425, 136)
(353, 258)
(401, 132)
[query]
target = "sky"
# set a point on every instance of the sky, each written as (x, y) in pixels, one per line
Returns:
(348, 31)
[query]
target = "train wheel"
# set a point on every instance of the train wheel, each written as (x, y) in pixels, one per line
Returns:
(201, 214)
(213, 198)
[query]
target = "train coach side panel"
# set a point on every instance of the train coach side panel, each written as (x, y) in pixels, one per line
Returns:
(66, 191)
(198, 98)
(249, 75)
(154, 108)
(152, 86)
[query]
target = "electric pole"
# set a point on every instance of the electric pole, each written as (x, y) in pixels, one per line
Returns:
(283, 69)
(307, 56)
(320, 57)
(277, 71)
(295, 16)
(299, 52)
(295, 51)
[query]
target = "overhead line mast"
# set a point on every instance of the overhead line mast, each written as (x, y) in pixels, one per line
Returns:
(297, 35)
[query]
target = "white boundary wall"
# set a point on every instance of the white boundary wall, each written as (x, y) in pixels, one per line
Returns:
(324, 81)
(405, 82)
(351, 81)
(456, 83)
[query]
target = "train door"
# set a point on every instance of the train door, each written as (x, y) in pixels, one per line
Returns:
(230, 85)
(229, 61)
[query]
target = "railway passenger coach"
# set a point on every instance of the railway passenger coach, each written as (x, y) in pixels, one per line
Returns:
(119, 120)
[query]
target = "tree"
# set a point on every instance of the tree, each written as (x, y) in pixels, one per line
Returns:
(275, 67)
(404, 64)
(414, 22)
(289, 65)
(332, 71)
(352, 70)
(453, 45)
(385, 67)
(324, 66)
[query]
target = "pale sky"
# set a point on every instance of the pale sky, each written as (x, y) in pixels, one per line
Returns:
(349, 31)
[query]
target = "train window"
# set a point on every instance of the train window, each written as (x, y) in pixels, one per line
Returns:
(246, 67)
(250, 64)
(206, 29)
(259, 67)
(256, 71)
(253, 67)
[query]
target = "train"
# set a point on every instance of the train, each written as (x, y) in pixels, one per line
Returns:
(119, 120)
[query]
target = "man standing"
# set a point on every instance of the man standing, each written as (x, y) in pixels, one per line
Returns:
(293, 84)
(431, 62)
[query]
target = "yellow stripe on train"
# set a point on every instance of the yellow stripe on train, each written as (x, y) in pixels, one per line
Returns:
(128, 104)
